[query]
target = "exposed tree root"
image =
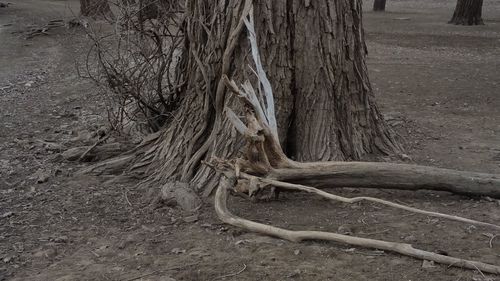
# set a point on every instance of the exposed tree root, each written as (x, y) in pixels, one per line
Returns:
(389, 176)
(289, 186)
(265, 164)
(112, 166)
(94, 152)
(296, 236)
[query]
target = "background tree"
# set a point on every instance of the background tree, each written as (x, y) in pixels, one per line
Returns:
(468, 12)
(379, 5)
(94, 8)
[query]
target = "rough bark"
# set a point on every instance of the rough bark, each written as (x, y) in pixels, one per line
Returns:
(314, 54)
(468, 12)
(335, 116)
(379, 5)
(94, 8)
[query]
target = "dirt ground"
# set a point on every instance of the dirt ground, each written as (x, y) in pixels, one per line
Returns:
(437, 84)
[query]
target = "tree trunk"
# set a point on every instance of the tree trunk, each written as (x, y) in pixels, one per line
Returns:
(94, 8)
(314, 55)
(468, 12)
(379, 5)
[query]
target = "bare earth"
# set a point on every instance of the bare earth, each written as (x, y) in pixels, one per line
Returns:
(437, 84)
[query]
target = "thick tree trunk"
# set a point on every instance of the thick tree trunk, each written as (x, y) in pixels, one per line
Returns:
(379, 5)
(334, 115)
(94, 8)
(468, 12)
(314, 56)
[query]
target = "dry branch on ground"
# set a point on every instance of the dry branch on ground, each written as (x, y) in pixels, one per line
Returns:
(265, 164)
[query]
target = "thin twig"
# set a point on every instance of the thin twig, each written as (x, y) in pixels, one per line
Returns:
(126, 197)
(291, 186)
(142, 276)
(160, 271)
(231, 274)
(296, 236)
(482, 274)
(491, 236)
(491, 240)
(99, 141)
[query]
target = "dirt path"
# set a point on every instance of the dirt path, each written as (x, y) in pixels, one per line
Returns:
(438, 85)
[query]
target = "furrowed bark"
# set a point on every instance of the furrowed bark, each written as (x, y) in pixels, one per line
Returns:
(335, 114)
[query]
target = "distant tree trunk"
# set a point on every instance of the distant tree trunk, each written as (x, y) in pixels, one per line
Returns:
(468, 12)
(94, 8)
(379, 5)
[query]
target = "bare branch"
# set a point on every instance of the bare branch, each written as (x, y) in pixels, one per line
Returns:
(237, 123)
(263, 80)
(291, 186)
(296, 236)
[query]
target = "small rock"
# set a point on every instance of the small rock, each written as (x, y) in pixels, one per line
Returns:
(350, 250)
(344, 229)
(129, 240)
(428, 264)
(6, 215)
(296, 252)
(61, 239)
(41, 176)
(7, 259)
(47, 253)
(191, 219)
(185, 197)
(471, 229)
(405, 157)
(178, 251)
(410, 238)
(294, 274)
(51, 146)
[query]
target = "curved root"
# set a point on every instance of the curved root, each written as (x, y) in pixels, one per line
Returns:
(296, 236)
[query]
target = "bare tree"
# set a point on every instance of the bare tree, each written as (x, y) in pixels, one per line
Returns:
(468, 12)
(379, 5)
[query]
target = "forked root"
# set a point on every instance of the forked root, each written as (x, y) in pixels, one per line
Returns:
(229, 181)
